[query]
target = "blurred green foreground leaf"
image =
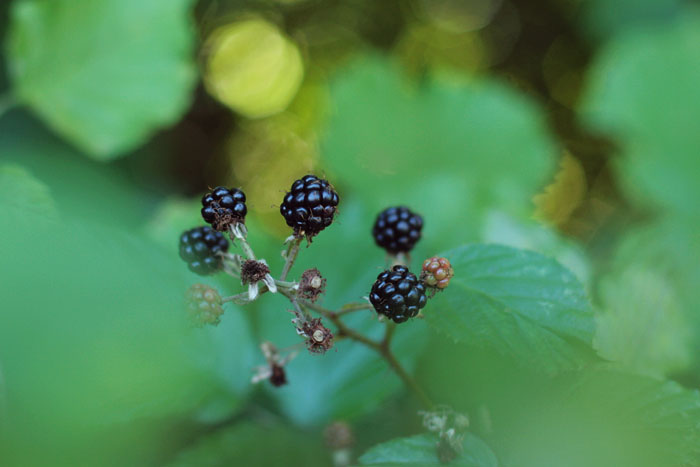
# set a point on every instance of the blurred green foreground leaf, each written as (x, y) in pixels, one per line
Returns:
(104, 74)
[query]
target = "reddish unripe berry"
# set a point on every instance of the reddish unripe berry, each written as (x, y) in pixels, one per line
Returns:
(437, 272)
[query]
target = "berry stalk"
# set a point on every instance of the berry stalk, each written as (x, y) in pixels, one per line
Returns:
(291, 256)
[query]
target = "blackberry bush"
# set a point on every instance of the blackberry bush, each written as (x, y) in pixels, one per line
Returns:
(201, 247)
(310, 206)
(398, 294)
(397, 229)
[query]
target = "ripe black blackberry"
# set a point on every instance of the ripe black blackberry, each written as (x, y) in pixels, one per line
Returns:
(310, 206)
(398, 294)
(224, 207)
(200, 248)
(397, 229)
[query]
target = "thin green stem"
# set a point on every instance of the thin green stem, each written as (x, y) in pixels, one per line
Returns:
(388, 333)
(407, 378)
(351, 307)
(291, 256)
(285, 284)
(238, 232)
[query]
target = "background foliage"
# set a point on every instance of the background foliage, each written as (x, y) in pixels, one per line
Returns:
(551, 147)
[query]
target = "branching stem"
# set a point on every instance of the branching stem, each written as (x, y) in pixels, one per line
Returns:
(383, 347)
(302, 307)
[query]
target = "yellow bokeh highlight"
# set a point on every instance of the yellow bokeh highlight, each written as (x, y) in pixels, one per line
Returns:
(560, 198)
(253, 68)
(266, 156)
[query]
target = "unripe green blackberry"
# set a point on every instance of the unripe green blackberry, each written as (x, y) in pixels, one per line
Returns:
(204, 305)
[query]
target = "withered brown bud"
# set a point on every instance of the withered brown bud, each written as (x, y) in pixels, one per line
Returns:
(278, 377)
(204, 305)
(311, 285)
(253, 271)
(318, 337)
(338, 435)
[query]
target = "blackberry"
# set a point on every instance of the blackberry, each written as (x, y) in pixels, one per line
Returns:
(200, 248)
(437, 272)
(398, 294)
(397, 229)
(310, 206)
(224, 207)
(204, 305)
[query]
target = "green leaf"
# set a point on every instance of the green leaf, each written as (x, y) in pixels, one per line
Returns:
(398, 142)
(518, 302)
(652, 120)
(249, 444)
(648, 299)
(21, 191)
(104, 309)
(601, 18)
(421, 450)
(598, 416)
(104, 74)
(658, 419)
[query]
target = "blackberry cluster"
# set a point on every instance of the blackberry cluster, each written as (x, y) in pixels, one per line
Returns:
(310, 206)
(204, 305)
(397, 229)
(200, 248)
(223, 207)
(398, 294)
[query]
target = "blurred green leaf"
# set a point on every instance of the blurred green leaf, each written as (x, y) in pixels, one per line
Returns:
(651, 111)
(21, 191)
(663, 413)
(601, 416)
(225, 353)
(421, 450)
(447, 150)
(111, 359)
(350, 379)
(250, 444)
(648, 298)
(103, 74)
(527, 234)
(643, 324)
(602, 19)
(517, 302)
